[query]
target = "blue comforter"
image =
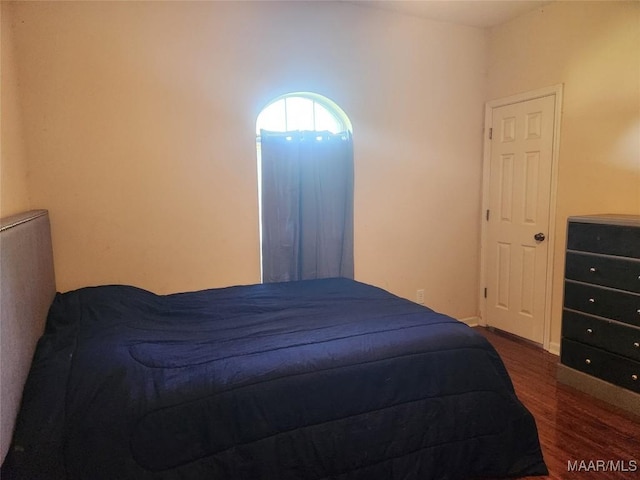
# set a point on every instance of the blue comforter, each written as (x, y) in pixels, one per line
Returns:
(303, 380)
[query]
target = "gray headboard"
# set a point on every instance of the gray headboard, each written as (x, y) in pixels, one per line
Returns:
(27, 288)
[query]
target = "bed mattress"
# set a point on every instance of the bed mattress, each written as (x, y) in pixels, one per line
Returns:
(302, 380)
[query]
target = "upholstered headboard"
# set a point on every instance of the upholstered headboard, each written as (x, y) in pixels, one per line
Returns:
(27, 288)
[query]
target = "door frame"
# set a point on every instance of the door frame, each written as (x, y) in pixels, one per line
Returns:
(554, 90)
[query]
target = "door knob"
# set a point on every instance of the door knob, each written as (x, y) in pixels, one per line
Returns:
(539, 237)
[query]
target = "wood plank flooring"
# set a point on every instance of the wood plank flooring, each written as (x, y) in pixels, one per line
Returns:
(572, 426)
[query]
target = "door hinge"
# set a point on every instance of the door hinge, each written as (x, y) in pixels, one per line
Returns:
(487, 215)
(490, 133)
(485, 292)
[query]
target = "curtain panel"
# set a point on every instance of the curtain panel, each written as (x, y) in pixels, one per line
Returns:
(307, 205)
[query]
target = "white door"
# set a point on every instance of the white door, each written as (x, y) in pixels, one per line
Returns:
(518, 216)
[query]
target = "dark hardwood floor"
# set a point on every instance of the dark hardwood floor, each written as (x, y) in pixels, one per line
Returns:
(572, 426)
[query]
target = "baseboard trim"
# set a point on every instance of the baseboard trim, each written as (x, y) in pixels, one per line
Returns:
(471, 321)
(605, 391)
(554, 347)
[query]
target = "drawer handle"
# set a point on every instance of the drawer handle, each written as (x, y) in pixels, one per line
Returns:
(634, 377)
(588, 361)
(636, 344)
(593, 269)
(589, 331)
(593, 300)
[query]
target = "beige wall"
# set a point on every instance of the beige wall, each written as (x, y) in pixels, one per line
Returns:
(139, 117)
(14, 196)
(139, 121)
(593, 48)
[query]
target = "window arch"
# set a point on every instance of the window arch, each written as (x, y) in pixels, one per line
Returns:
(302, 111)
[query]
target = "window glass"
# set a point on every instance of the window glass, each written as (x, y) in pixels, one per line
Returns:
(324, 120)
(273, 118)
(301, 112)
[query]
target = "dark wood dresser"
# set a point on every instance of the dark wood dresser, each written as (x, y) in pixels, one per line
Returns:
(600, 349)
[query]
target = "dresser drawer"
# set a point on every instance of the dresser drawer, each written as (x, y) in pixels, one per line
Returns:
(607, 366)
(623, 240)
(608, 335)
(584, 329)
(616, 272)
(623, 340)
(604, 302)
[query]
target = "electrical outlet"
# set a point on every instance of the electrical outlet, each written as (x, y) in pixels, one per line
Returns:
(420, 296)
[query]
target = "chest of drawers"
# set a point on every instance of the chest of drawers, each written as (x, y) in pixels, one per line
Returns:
(601, 314)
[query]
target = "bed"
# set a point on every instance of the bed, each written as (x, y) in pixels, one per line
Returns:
(320, 379)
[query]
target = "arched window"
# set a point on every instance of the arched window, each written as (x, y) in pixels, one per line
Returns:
(302, 111)
(305, 186)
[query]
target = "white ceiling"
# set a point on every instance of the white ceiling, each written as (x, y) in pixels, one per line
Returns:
(475, 13)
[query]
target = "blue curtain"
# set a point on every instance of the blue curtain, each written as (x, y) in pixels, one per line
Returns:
(307, 205)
